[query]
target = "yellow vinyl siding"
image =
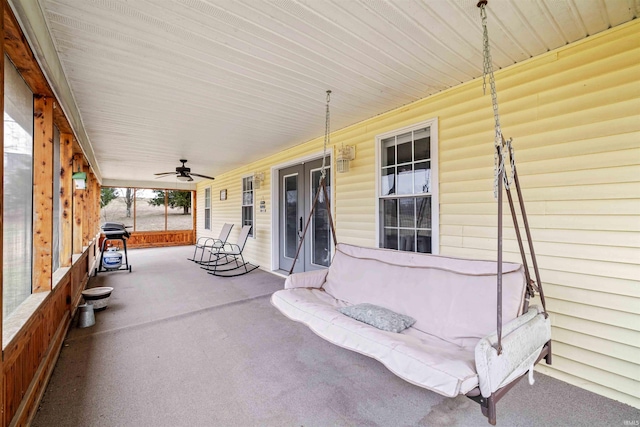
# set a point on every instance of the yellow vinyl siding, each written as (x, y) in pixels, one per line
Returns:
(574, 114)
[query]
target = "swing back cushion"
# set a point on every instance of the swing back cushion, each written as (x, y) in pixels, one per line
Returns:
(450, 298)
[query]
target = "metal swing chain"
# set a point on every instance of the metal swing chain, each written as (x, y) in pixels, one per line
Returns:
(498, 160)
(327, 132)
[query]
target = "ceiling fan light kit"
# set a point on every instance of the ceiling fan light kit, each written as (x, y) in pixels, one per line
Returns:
(183, 173)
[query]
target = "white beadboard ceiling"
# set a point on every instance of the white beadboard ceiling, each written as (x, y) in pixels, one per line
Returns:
(226, 82)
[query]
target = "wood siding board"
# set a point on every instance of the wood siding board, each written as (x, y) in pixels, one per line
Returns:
(42, 194)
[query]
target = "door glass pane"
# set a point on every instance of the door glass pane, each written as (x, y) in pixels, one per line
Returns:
(407, 240)
(421, 144)
(291, 215)
(424, 241)
(390, 238)
(407, 212)
(320, 231)
(388, 181)
(423, 212)
(422, 177)
(390, 212)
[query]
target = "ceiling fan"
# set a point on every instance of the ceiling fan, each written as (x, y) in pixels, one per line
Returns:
(183, 173)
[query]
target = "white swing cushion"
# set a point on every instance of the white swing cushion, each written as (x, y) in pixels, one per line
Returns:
(453, 302)
(414, 356)
(522, 342)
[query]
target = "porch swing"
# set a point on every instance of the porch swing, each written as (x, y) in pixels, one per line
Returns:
(424, 316)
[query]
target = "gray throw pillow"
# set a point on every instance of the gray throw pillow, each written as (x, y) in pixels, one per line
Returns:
(378, 317)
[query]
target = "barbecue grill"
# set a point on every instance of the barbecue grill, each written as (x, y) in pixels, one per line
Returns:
(114, 231)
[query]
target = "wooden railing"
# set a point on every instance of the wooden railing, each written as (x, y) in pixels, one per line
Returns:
(30, 356)
(152, 239)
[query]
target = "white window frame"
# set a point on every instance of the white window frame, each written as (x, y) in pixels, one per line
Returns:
(253, 233)
(432, 124)
(207, 209)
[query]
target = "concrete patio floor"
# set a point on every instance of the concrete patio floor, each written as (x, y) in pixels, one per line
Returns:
(179, 347)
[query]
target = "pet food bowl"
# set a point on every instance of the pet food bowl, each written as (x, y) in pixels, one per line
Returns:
(98, 297)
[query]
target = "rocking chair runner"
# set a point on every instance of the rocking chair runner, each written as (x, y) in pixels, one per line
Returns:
(204, 243)
(230, 258)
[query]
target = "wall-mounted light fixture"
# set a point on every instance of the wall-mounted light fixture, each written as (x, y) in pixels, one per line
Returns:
(345, 154)
(258, 179)
(80, 180)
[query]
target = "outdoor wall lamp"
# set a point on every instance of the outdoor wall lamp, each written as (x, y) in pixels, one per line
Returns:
(258, 179)
(80, 180)
(344, 156)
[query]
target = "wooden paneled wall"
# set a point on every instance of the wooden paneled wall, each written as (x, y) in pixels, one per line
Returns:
(30, 357)
(29, 354)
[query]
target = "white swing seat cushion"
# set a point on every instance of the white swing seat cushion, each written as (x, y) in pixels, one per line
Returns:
(522, 341)
(452, 300)
(414, 356)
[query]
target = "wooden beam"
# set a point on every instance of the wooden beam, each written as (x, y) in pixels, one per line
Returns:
(18, 50)
(66, 199)
(60, 120)
(78, 196)
(42, 193)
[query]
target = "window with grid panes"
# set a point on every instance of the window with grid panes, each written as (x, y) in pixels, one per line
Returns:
(207, 208)
(405, 199)
(247, 203)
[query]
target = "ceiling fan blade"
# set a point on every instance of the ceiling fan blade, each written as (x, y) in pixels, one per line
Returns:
(190, 179)
(201, 176)
(165, 173)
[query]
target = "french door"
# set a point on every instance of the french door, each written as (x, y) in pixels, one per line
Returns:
(298, 187)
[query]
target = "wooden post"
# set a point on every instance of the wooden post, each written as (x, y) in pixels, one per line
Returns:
(77, 208)
(3, 382)
(194, 206)
(42, 193)
(66, 199)
(96, 204)
(135, 213)
(166, 208)
(86, 197)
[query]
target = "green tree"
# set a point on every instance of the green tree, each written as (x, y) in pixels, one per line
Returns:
(175, 199)
(107, 194)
